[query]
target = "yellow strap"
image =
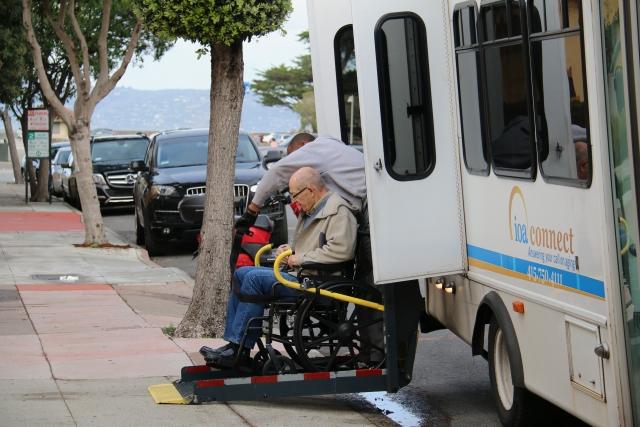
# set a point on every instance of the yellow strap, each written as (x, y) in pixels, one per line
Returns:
(265, 248)
(626, 231)
(323, 292)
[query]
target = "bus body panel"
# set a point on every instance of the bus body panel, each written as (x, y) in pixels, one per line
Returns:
(548, 245)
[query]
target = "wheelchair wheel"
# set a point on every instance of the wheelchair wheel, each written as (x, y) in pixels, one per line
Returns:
(287, 366)
(286, 329)
(258, 361)
(328, 333)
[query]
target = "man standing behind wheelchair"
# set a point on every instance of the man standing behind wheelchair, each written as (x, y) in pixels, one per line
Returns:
(326, 234)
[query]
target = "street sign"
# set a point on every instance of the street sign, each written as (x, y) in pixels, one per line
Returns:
(38, 120)
(37, 144)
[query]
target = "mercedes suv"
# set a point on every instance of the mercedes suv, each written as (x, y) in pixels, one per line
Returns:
(111, 157)
(174, 172)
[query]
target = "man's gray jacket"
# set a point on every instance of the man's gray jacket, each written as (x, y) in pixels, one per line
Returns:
(341, 167)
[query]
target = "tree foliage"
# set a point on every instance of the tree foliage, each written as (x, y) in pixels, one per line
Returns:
(290, 86)
(306, 108)
(214, 21)
(284, 85)
(97, 39)
(13, 50)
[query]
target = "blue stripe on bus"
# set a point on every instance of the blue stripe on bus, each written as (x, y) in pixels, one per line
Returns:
(568, 279)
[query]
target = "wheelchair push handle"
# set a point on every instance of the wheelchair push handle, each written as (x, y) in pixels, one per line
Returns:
(323, 292)
(261, 251)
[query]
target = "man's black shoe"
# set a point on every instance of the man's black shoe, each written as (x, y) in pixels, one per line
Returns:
(208, 351)
(227, 358)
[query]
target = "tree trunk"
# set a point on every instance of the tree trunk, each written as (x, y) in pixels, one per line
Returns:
(13, 151)
(79, 137)
(206, 313)
(28, 166)
(42, 188)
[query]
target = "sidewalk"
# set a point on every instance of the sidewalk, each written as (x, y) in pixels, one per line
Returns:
(81, 333)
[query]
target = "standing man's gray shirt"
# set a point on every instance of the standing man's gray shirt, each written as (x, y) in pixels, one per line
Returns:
(341, 166)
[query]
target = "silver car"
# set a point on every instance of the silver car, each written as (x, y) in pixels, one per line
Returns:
(60, 167)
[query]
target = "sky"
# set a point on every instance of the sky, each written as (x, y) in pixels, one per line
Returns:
(180, 67)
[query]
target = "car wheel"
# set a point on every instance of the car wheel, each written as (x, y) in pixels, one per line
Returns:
(280, 234)
(73, 194)
(139, 229)
(514, 404)
(153, 245)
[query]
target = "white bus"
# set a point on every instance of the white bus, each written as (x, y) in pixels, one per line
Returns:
(501, 148)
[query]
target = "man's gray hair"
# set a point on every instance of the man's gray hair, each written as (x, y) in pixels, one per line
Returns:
(309, 177)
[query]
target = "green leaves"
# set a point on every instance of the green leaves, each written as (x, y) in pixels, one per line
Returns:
(13, 50)
(213, 21)
(291, 87)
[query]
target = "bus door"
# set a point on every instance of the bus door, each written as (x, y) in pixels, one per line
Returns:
(621, 25)
(407, 111)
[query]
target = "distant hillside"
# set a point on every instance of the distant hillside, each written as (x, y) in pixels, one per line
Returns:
(133, 109)
(127, 108)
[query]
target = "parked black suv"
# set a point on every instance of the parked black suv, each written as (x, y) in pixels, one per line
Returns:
(174, 171)
(111, 157)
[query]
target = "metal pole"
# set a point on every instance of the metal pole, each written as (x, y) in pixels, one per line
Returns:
(350, 101)
(50, 172)
(26, 178)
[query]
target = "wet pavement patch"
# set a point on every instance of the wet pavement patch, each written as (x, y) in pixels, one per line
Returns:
(7, 295)
(392, 409)
(61, 278)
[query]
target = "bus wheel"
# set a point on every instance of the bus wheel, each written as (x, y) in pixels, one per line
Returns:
(512, 402)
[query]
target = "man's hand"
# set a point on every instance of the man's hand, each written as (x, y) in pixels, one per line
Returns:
(282, 248)
(245, 221)
(253, 208)
(293, 261)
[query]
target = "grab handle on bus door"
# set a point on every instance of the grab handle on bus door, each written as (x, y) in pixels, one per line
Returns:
(625, 227)
(378, 166)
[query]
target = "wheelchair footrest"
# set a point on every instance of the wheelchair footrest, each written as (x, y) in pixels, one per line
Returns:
(203, 384)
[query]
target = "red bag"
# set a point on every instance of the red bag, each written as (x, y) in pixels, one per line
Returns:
(255, 238)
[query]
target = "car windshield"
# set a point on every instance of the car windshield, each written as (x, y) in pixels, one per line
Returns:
(119, 150)
(192, 151)
(62, 157)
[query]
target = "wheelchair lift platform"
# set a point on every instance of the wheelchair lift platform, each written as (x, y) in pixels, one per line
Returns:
(199, 384)
(205, 383)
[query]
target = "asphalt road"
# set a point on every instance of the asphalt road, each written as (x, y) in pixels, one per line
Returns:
(449, 387)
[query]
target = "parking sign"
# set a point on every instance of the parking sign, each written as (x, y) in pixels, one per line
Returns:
(37, 144)
(38, 119)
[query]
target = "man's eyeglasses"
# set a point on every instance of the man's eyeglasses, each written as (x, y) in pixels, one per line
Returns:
(295, 196)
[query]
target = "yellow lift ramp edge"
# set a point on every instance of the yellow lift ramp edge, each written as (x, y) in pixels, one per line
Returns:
(167, 393)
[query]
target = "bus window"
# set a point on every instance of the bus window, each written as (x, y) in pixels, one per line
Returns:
(508, 119)
(559, 92)
(347, 79)
(467, 64)
(556, 15)
(405, 96)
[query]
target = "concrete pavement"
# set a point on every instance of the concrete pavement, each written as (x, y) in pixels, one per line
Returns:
(81, 338)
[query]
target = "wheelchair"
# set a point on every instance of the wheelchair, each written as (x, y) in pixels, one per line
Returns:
(324, 328)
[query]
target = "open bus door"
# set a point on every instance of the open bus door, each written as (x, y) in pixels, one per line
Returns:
(621, 28)
(410, 145)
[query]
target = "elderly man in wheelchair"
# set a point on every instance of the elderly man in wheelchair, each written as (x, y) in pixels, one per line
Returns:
(313, 310)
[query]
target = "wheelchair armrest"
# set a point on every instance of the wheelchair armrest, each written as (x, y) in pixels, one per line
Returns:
(267, 260)
(344, 268)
